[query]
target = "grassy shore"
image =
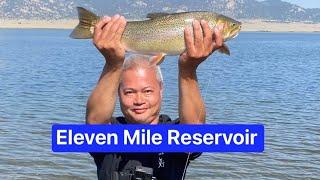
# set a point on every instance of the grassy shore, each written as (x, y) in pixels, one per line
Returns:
(247, 25)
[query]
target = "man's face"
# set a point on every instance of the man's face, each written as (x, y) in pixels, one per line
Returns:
(140, 95)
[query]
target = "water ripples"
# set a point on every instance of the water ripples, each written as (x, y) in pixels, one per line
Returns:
(269, 79)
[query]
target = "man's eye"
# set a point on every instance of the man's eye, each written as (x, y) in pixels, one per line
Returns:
(128, 93)
(148, 91)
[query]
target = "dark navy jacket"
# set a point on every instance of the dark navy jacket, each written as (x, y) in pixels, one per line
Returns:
(166, 166)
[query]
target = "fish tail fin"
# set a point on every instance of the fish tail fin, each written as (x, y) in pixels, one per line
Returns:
(85, 28)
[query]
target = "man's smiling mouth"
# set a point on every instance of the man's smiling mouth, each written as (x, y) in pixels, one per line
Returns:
(139, 110)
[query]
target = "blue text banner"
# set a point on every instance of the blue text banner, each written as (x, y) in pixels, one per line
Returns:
(158, 138)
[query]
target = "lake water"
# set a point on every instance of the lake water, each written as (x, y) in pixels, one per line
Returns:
(270, 78)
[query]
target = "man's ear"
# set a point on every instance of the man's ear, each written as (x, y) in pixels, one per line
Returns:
(161, 89)
(157, 59)
(119, 88)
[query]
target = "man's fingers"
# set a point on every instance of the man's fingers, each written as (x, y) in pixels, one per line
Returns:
(188, 39)
(207, 33)
(198, 35)
(218, 37)
(107, 28)
(98, 27)
(114, 27)
(121, 28)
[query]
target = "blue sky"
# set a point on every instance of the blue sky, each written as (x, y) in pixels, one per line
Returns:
(305, 3)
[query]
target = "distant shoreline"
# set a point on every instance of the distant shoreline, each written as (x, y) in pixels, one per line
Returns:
(270, 26)
(247, 25)
(38, 24)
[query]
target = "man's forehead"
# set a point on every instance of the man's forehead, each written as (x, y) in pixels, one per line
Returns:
(139, 76)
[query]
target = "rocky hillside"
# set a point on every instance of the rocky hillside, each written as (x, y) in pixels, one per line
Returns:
(246, 9)
(39, 9)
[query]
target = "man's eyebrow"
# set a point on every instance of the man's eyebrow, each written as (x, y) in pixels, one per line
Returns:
(126, 89)
(147, 87)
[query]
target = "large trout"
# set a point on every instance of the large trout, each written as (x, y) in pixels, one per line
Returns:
(161, 33)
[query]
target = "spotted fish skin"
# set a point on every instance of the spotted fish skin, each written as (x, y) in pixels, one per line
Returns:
(161, 34)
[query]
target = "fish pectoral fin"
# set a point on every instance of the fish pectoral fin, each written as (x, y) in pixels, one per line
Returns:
(224, 49)
(157, 59)
(155, 15)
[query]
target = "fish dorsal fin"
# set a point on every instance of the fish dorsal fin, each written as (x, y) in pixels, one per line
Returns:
(156, 15)
(224, 49)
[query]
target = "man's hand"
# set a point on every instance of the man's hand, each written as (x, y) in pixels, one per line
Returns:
(107, 38)
(200, 45)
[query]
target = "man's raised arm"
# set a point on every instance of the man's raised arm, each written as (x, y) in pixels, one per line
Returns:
(107, 39)
(199, 46)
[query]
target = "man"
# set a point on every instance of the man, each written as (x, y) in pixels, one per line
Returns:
(138, 83)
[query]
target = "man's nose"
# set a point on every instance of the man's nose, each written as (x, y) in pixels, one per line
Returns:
(139, 99)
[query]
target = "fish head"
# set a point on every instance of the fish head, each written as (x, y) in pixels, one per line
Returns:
(231, 27)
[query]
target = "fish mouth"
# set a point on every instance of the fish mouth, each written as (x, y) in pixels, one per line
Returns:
(234, 32)
(235, 35)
